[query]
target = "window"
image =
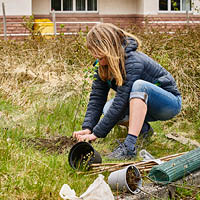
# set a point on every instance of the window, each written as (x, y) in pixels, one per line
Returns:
(80, 5)
(67, 5)
(186, 5)
(74, 5)
(55, 5)
(92, 5)
(163, 5)
(174, 5)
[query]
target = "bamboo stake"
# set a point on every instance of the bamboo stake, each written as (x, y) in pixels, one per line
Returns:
(143, 165)
(166, 158)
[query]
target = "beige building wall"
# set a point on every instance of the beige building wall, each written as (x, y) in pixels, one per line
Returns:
(19, 7)
(117, 7)
(150, 7)
(111, 7)
(41, 7)
(105, 7)
(139, 6)
(147, 7)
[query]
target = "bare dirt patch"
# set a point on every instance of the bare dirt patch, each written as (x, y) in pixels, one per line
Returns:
(58, 144)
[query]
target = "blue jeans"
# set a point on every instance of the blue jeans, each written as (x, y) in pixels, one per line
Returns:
(161, 104)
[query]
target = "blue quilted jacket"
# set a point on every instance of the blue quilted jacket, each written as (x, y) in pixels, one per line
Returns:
(138, 66)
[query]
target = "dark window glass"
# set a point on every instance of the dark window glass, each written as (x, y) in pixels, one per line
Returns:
(80, 5)
(92, 5)
(163, 5)
(67, 5)
(56, 5)
(175, 5)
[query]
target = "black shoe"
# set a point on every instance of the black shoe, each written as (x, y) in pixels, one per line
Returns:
(147, 131)
(122, 153)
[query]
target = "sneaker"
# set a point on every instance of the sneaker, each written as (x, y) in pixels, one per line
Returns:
(122, 153)
(147, 131)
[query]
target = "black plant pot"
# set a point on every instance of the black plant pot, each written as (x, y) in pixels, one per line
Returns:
(82, 155)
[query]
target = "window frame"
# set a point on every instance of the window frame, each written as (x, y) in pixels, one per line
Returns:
(74, 8)
(175, 11)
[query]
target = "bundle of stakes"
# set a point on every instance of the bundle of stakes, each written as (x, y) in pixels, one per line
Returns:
(143, 166)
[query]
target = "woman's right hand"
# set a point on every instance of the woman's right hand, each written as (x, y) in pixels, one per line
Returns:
(81, 132)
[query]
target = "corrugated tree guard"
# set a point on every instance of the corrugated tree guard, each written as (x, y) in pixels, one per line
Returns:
(176, 168)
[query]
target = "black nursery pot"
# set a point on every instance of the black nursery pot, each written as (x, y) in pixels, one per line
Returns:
(82, 155)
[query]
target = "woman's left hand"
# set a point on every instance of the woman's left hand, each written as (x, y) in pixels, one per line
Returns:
(87, 137)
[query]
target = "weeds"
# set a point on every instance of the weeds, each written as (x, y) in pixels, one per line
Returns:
(44, 89)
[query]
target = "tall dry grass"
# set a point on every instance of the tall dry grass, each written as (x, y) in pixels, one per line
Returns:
(179, 53)
(43, 66)
(35, 69)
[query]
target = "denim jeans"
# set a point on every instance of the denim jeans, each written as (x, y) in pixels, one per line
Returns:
(161, 104)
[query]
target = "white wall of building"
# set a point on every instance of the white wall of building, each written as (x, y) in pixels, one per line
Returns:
(107, 7)
(139, 6)
(111, 7)
(117, 7)
(16, 7)
(150, 7)
(41, 7)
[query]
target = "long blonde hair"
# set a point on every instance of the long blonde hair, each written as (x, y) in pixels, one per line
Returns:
(105, 40)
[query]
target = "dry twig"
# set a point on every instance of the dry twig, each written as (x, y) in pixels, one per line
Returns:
(143, 166)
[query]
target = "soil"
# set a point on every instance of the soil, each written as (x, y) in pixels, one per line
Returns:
(58, 144)
(132, 179)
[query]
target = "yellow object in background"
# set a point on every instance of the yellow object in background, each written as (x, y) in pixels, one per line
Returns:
(46, 29)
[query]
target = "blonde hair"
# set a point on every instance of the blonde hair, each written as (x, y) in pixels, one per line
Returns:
(105, 40)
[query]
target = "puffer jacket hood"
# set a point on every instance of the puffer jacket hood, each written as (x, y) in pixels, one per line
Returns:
(130, 44)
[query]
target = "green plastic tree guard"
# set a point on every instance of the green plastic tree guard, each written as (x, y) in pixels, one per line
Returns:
(176, 168)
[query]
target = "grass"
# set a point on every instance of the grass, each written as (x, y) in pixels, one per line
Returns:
(44, 92)
(27, 173)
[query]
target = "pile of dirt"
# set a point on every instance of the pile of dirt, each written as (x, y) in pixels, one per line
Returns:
(58, 144)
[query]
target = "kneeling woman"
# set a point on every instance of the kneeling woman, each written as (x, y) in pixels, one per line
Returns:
(143, 87)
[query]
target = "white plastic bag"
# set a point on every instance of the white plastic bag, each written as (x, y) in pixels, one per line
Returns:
(98, 190)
